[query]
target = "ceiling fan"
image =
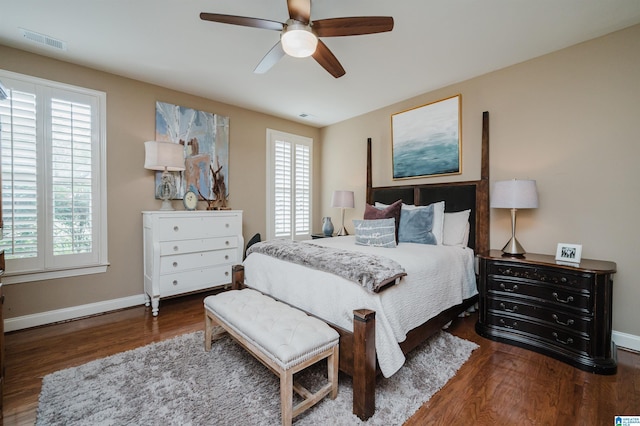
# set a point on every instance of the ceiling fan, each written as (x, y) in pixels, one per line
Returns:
(300, 36)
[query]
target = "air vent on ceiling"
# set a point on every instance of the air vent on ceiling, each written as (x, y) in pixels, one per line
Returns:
(43, 39)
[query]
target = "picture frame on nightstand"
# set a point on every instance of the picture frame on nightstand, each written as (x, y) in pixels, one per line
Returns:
(569, 253)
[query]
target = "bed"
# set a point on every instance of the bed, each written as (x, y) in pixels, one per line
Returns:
(361, 320)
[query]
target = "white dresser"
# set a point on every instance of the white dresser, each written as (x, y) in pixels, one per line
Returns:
(187, 251)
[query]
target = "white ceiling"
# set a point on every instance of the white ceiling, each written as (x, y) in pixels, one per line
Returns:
(434, 43)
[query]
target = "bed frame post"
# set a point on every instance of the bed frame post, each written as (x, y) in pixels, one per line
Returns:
(237, 277)
(482, 200)
(369, 195)
(364, 363)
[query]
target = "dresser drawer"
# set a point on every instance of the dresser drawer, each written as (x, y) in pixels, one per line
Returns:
(199, 227)
(206, 259)
(545, 275)
(555, 336)
(555, 317)
(557, 295)
(192, 246)
(182, 282)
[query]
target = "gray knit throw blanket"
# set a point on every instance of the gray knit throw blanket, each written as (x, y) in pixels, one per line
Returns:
(372, 272)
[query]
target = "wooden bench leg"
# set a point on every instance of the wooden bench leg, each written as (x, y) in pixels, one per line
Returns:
(333, 366)
(208, 330)
(286, 397)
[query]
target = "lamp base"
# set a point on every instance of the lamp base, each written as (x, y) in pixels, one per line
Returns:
(513, 248)
(167, 205)
(342, 232)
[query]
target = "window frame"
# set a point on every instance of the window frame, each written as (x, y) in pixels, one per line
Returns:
(272, 137)
(45, 268)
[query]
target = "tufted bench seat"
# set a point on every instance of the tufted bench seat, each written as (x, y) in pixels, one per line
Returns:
(283, 338)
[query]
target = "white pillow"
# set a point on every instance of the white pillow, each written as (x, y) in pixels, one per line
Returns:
(438, 217)
(456, 228)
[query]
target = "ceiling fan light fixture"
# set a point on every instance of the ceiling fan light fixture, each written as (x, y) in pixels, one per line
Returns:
(298, 40)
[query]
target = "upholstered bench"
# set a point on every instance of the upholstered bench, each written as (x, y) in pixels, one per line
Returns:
(283, 338)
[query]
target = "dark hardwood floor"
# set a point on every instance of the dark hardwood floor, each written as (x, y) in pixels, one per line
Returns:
(500, 384)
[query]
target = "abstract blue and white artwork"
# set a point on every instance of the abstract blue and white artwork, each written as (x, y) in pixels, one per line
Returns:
(205, 138)
(426, 140)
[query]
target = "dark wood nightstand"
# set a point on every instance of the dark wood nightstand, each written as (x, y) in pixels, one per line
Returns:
(316, 236)
(558, 310)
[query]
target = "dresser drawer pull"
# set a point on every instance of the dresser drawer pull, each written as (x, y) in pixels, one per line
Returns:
(511, 290)
(564, 342)
(176, 228)
(504, 308)
(569, 321)
(226, 274)
(175, 282)
(226, 225)
(226, 243)
(504, 324)
(226, 257)
(175, 248)
(175, 264)
(567, 300)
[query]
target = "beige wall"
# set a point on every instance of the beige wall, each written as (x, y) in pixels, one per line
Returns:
(130, 122)
(570, 120)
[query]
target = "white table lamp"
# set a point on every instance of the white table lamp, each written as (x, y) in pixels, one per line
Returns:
(166, 157)
(343, 200)
(514, 194)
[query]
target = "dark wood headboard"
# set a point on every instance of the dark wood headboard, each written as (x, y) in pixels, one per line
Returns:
(457, 196)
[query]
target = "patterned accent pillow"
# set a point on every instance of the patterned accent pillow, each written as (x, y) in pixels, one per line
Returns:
(416, 226)
(387, 212)
(376, 232)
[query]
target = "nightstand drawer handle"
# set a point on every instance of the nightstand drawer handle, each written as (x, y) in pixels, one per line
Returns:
(504, 324)
(175, 264)
(511, 290)
(504, 308)
(567, 300)
(564, 342)
(569, 321)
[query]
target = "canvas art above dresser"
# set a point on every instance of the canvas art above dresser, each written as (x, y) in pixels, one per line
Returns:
(187, 251)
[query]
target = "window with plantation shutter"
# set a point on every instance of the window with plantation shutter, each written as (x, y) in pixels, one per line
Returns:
(52, 143)
(289, 189)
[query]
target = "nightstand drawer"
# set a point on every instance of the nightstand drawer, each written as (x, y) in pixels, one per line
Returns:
(556, 295)
(555, 336)
(554, 317)
(543, 275)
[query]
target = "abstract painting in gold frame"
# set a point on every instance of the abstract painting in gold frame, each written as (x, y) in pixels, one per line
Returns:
(426, 140)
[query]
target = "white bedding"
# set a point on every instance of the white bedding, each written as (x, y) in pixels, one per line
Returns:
(438, 277)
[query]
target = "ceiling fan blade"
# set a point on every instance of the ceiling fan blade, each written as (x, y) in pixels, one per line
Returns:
(337, 27)
(270, 59)
(299, 10)
(243, 21)
(328, 61)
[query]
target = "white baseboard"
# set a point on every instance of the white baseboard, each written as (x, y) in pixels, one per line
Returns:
(49, 317)
(626, 340)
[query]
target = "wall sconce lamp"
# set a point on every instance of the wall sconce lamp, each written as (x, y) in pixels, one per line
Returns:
(514, 194)
(167, 157)
(344, 200)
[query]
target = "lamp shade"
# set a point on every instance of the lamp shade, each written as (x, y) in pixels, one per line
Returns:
(298, 40)
(163, 156)
(343, 199)
(514, 194)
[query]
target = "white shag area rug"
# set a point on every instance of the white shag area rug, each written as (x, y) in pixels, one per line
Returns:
(175, 382)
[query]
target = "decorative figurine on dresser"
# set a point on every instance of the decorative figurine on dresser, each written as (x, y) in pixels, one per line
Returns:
(187, 251)
(554, 308)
